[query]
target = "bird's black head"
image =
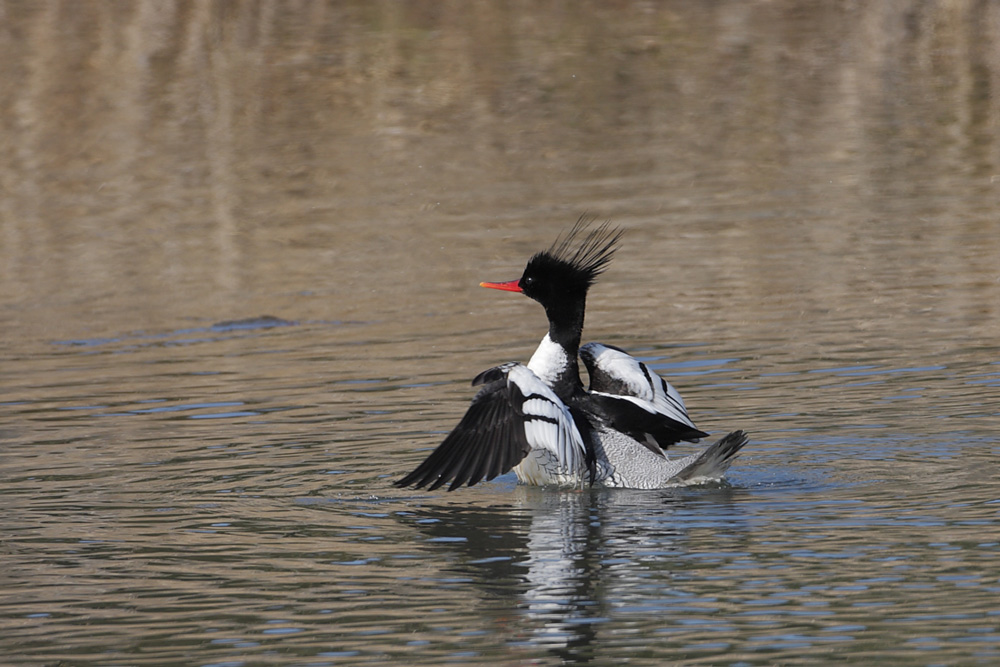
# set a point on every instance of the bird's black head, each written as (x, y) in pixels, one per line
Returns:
(564, 273)
(559, 279)
(571, 265)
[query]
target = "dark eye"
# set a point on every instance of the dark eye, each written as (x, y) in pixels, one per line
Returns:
(528, 280)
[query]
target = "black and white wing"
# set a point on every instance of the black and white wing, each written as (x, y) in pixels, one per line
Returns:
(635, 400)
(512, 414)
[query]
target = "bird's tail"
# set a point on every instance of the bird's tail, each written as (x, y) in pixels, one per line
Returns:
(713, 463)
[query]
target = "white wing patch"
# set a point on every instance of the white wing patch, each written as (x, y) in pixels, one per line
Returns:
(634, 381)
(623, 368)
(541, 407)
(549, 426)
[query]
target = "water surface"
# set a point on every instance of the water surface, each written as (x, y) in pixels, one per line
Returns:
(239, 250)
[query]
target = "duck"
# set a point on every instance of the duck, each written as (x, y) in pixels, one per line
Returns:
(539, 420)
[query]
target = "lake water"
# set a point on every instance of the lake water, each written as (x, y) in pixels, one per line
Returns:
(240, 246)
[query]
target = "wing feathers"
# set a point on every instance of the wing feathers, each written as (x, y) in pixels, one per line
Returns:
(512, 414)
(635, 419)
(635, 400)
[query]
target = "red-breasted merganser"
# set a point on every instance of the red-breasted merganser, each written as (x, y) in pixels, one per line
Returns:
(540, 421)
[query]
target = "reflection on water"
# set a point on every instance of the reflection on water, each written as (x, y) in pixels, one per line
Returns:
(569, 561)
(710, 573)
(239, 245)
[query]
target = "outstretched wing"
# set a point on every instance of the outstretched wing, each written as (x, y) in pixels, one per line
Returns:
(512, 414)
(635, 400)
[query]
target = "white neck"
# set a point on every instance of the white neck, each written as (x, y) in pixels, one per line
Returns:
(549, 361)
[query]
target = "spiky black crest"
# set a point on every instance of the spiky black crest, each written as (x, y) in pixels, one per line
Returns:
(560, 277)
(584, 250)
